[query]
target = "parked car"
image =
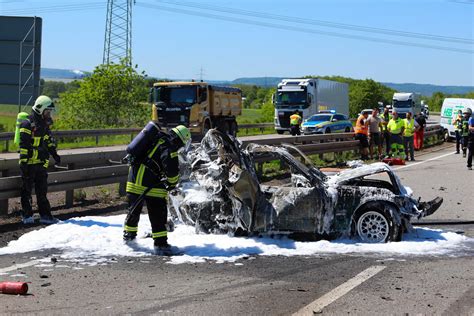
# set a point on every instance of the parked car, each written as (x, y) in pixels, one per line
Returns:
(222, 192)
(325, 123)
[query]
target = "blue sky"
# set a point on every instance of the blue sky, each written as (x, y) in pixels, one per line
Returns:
(175, 45)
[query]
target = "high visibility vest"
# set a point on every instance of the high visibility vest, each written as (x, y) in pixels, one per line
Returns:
(361, 128)
(295, 119)
(457, 122)
(409, 127)
(386, 117)
(395, 126)
(465, 127)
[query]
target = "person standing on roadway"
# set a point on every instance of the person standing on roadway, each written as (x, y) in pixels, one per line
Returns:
(386, 135)
(295, 123)
(420, 132)
(375, 122)
(457, 122)
(465, 130)
(410, 126)
(149, 179)
(396, 127)
(362, 134)
(36, 145)
(470, 139)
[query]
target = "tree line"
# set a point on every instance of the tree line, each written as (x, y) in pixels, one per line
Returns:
(116, 96)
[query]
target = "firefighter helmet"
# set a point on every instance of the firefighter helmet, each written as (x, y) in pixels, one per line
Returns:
(183, 133)
(467, 111)
(43, 103)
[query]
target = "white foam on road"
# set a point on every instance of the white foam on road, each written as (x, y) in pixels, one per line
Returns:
(100, 237)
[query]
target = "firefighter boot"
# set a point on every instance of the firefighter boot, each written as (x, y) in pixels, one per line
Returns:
(129, 236)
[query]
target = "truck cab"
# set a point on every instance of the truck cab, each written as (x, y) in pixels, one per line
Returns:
(196, 105)
(405, 102)
(308, 96)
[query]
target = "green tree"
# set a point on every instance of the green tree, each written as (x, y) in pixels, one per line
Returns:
(113, 96)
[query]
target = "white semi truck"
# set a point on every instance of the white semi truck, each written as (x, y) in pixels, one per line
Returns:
(404, 102)
(308, 96)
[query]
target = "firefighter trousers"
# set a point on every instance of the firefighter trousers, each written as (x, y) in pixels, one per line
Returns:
(470, 147)
(35, 176)
(157, 212)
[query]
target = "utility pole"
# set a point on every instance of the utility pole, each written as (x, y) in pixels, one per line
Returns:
(201, 74)
(118, 31)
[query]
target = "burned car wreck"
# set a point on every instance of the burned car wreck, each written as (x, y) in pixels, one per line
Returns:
(222, 192)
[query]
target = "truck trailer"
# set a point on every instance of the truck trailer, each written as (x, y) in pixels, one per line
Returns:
(308, 96)
(197, 105)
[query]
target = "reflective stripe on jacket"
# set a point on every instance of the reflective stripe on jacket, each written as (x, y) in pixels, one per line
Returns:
(160, 172)
(361, 127)
(409, 127)
(36, 143)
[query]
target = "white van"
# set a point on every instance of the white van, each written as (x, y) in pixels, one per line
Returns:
(449, 110)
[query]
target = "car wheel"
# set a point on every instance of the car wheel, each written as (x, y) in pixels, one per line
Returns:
(347, 130)
(280, 132)
(377, 226)
(327, 131)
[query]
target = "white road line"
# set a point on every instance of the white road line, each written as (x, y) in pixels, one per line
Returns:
(418, 163)
(317, 305)
(21, 265)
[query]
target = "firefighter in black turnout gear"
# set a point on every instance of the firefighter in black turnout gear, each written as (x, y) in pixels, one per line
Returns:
(36, 145)
(154, 170)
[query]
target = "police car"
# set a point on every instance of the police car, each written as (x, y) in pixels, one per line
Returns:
(326, 122)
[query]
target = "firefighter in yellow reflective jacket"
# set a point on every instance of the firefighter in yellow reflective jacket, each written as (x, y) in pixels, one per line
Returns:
(153, 177)
(36, 144)
(295, 123)
(410, 126)
(396, 127)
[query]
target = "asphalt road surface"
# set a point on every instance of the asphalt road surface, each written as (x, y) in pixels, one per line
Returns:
(358, 284)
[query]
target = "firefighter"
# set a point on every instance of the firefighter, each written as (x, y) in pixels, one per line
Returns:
(295, 122)
(362, 134)
(36, 145)
(150, 178)
(396, 128)
(410, 126)
(457, 122)
(465, 130)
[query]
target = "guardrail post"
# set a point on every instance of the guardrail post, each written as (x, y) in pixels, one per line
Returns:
(4, 203)
(7, 145)
(70, 193)
(122, 188)
(96, 140)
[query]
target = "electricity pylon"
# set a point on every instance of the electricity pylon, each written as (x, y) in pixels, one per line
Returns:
(118, 31)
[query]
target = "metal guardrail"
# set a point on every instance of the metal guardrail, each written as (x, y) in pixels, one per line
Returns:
(90, 167)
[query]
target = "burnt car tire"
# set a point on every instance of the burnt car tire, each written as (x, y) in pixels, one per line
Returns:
(375, 225)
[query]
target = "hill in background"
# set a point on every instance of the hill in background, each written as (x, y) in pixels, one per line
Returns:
(424, 89)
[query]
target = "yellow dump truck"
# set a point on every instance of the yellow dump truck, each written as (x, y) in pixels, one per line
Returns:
(197, 105)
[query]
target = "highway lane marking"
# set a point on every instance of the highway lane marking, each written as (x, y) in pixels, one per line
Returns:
(420, 162)
(317, 305)
(21, 265)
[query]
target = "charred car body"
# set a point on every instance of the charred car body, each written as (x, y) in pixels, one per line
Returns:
(221, 193)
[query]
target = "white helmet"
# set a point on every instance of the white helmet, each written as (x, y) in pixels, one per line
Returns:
(43, 103)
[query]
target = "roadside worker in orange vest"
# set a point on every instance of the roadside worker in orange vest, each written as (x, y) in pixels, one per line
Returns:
(396, 127)
(410, 126)
(295, 122)
(362, 133)
(36, 145)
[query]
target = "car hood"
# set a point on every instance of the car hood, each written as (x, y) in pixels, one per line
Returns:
(366, 170)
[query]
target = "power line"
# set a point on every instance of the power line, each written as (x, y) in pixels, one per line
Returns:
(55, 8)
(323, 23)
(303, 30)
